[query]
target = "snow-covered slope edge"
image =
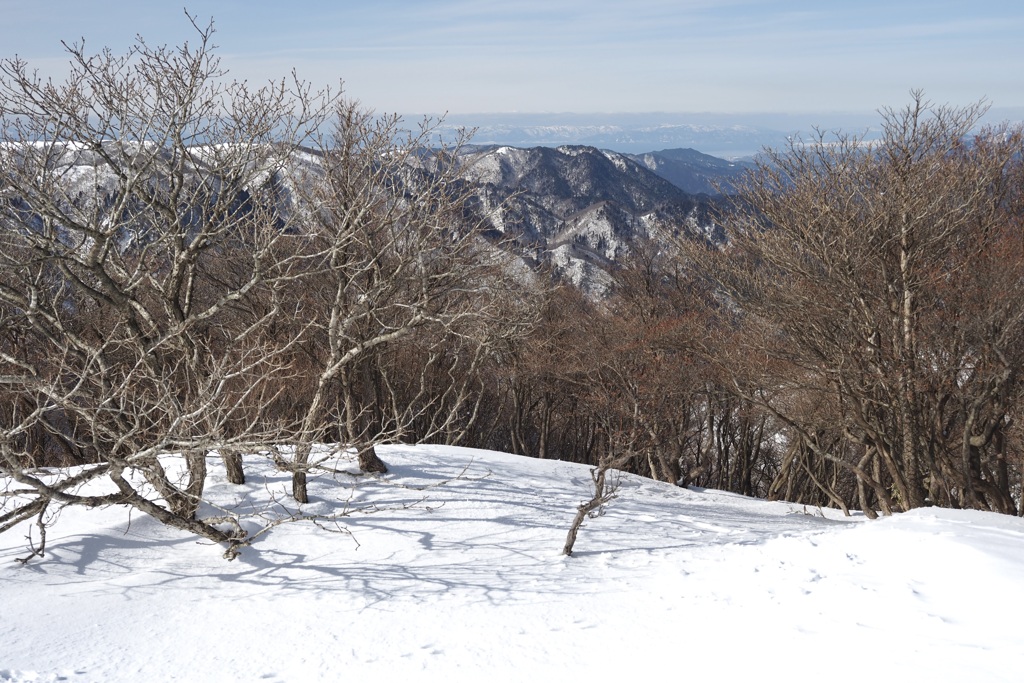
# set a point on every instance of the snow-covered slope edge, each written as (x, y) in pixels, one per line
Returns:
(452, 569)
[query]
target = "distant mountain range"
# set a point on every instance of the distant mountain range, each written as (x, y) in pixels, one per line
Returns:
(731, 141)
(726, 136)
(694, 172)
(727, 141)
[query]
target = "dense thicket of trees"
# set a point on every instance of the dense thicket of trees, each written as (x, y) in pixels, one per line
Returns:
(192, 266)
(876, 293)
(635, 380)
(856, 342)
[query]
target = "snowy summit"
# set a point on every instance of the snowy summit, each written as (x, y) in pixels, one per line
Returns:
(449, 568)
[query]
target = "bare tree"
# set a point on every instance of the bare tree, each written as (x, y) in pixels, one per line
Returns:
(871, 326)
(191, 266)
(142, 220)
(606, 489)
(394, 259)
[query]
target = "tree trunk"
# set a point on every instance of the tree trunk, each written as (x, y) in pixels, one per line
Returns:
(299, 492)
(370, 463)
(196, 462)
(233, 466)
(862, 495)
(603, 493)
(545, 427)
(908, 370)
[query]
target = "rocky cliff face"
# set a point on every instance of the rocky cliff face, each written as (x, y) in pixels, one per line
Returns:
(577, 208)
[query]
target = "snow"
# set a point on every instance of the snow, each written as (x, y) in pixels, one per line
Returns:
(449, 567)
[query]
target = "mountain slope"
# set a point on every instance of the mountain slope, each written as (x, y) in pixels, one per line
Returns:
(694, 172)
(449, 568)
(579, 208)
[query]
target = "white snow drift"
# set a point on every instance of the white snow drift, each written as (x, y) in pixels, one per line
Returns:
(449, 568)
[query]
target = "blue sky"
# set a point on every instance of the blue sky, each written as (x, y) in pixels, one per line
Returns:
(462, 56)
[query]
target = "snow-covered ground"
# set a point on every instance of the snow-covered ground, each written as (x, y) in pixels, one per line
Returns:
(456, 572)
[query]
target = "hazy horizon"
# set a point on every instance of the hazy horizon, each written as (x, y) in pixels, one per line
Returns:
(694, 57)
(721, 134)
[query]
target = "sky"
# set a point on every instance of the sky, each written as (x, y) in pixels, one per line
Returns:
(581, 56)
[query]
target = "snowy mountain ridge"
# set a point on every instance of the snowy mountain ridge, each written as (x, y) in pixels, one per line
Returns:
(577, 208)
